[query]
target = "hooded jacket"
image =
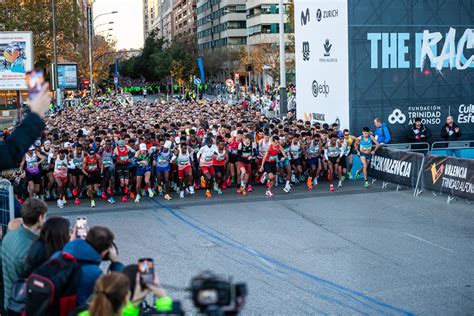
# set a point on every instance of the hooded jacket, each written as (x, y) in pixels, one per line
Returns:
(382, 134)
(89, 260)
(416, 133)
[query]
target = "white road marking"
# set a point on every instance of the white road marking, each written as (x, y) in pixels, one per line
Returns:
(429, 242)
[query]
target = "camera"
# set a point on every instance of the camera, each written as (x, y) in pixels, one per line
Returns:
(215, 295)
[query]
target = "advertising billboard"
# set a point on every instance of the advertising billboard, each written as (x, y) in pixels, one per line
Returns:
(16, 58)
(416, 61)
(322, 70)
(67, 76)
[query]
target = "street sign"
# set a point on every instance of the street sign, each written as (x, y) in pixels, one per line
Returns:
(229, 83)
(197, 81)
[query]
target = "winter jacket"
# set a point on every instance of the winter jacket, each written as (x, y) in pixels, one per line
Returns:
(415, 134)
(15, 246)
(16, 145)
(89, 260)
(36, 256)
(382, 134)
(448, 133)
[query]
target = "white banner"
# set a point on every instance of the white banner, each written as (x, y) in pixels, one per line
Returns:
(322, 61)
(16, 58)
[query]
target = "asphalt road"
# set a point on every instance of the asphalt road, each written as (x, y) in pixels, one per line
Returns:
(354, 251)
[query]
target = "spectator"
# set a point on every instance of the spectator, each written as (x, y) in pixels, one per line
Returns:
(16, 243)
(419, 132)
(98, 246)
(53, 237)
(111, 294)
(16, 145)
(381, 133)
(451, 132)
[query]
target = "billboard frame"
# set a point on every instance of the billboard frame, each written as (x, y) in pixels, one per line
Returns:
(30, 65)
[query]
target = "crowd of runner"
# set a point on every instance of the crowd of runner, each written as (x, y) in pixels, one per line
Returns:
(172, 149)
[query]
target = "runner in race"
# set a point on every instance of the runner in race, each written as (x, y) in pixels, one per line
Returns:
(219, 162)
(61, 167)
(246, 152)
(122, 155)
(106, 153)
(31, 164)
(284, 166)
(91, 168)
(162, 158)
(350, 144)
(296, 161)
(269, 163)
(183, 156)
(332, 155)
(205, 155)
(313, 152)
(76, 176)
(143, 157)
(365, 149)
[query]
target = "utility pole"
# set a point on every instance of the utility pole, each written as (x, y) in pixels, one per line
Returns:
(283, 106)
(89, 23)
(55, 52)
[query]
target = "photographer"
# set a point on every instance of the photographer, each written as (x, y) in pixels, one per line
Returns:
(97, 247)
(16, 145)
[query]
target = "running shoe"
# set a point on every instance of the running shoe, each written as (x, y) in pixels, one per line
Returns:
(47, 194)
(60, 203)
(239, 191)
(196, 187)
(132, 195)
(315, 181)
(229, 182)
(126, 189)
(77, 201)
(150, 193)
(224, 186)
(99, 193)
(339, 185)
(143, 192)
(287, 189)
(167, 197)
(124, 199)
(104, 195)
(310, 183)
(69, 193)
(366, 183)
(181, 195)
(111, 200)
(137, 199)
(249, 188)
(244, 191)
(357, 174)
(264, 177)
(219, 191)
(74, 192)
(349, 175)
(331, 188)
(92, 203)
(208, 194)
(191, 190)
(269, 193)
(203, 182)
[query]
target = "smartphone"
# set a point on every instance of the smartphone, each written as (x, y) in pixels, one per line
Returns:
(81, 227)
(35, 82)
(146, 269)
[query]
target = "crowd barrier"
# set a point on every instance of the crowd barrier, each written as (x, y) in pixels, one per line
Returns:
(439, 174)
(7, 208)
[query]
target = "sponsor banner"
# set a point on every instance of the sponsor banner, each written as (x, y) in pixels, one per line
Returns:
(16, 58)
(411, 67)
(322, 61)
(396, 166)
(449, 175)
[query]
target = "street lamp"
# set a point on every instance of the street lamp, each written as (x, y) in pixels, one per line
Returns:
(95, 28)
(283, 107)
(55, 52)
(113, 12)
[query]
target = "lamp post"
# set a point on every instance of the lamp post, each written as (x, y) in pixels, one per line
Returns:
(55, 52)
(283, 107)
(95, 28)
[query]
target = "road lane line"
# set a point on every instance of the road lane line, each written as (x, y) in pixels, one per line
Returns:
(429, 242)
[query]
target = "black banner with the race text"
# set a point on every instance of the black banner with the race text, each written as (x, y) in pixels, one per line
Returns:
(449, 175)
(396, 166)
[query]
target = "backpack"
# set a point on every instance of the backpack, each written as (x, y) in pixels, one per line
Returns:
(52, 288)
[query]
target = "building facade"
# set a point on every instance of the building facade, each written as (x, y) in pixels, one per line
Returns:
(263, 21)
(150, 17)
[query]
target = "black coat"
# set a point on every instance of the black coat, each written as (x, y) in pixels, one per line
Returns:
(16, 145)
(415, 134)
(446, 130)
(35, 257)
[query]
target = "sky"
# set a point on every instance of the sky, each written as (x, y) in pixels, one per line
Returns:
(128, 22)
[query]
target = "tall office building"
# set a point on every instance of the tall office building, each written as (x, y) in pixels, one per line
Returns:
(185, 20)
(150, 17)
(263, 21)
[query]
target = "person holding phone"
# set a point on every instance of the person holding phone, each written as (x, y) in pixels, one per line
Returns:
(16, 145)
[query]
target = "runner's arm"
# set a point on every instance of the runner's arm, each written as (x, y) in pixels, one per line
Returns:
(326, 152)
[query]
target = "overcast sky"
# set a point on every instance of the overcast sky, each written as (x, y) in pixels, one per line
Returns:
(128, 22)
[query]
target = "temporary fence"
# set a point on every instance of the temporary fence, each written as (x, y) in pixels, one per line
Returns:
(416, 147)
(441, 174)
(7, 209)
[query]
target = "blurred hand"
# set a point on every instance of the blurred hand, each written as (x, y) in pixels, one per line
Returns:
(113, 255)
(140, 293)
(156, 288)
(40, 104)
(456, 129)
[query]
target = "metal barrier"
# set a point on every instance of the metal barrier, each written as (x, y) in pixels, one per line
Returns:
(460, 144)
(7, 207)
(419, 147)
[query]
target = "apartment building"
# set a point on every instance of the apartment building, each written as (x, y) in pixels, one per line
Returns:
(263, 21)
(185, 19)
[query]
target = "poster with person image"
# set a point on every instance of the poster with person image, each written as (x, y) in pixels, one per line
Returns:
(16, 58)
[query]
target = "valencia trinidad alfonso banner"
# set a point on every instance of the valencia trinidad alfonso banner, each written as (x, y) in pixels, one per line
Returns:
(322, 61)
(449, 175)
